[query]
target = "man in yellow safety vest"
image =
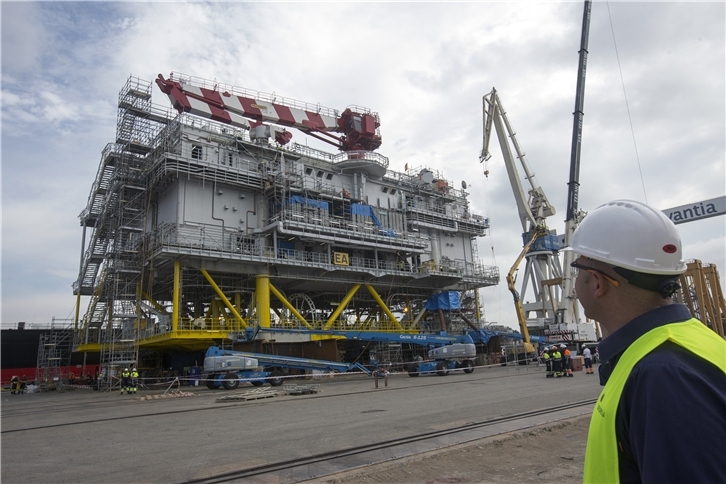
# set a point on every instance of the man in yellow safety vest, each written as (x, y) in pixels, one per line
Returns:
(662, 411)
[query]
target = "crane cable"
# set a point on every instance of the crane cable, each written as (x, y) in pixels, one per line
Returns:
(485, 178)
(627, 107)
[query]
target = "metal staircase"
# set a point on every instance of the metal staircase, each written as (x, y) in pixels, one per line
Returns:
(112, 266)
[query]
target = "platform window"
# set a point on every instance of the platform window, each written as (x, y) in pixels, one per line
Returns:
(308, 171)
(196, 152)
(329, 176)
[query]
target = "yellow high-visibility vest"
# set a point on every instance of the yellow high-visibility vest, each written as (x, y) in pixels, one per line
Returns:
(601, 456)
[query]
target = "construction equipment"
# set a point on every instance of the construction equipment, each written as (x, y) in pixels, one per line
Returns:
(447, 352)
(227, 368)
(554, 303)
(441, 360)
(230, 105)
(540, 244)
(568, 312)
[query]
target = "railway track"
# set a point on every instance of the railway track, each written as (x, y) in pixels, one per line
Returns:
(327, 463)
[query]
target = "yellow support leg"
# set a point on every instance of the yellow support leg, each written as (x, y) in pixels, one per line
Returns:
(175, 303)
(153, 302)
(78, 310)
(383, 306)
(221, 295)
(289, 306)
(262, 290)
(333, 317)
(238, 305)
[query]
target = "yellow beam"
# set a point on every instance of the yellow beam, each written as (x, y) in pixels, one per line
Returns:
(341, 306)
(221, 295)
(78, 309)
(262, 291)
(89, 348)
(383, 306)
(153, 302)
(289, 306)
(175, 302)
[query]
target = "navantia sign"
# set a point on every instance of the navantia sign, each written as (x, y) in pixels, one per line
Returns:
(341, 259)
(697, 211)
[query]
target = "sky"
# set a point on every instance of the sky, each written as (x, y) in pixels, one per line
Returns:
(654, 113)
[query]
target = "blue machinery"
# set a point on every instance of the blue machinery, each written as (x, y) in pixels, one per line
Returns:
(227, 368)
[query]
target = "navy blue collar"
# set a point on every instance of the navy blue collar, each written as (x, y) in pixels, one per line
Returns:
(615, 344)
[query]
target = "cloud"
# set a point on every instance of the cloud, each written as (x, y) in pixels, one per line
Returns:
(423, 67)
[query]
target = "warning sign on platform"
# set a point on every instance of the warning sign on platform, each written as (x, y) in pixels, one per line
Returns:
(341, 259)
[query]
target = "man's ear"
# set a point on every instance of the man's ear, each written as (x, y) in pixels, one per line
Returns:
(601, 285)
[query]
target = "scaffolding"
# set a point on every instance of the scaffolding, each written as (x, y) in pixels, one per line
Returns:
(111, 266)
(701, 292)
(54, 357)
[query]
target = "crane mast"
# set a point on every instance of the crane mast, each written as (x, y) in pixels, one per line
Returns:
(569, 309)
(534, 208)
(555, 302)
(540, 245)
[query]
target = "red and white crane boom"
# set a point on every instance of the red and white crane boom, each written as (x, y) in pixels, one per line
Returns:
(249, 110)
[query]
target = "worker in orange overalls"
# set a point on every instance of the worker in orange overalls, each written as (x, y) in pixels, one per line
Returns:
(566, 361)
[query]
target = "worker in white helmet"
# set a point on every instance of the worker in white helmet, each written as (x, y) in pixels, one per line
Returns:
(548, 362)
(587, 355)
(664, 372)
(125, 381)
(134, 377)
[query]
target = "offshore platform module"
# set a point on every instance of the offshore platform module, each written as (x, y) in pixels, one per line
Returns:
(210, 221)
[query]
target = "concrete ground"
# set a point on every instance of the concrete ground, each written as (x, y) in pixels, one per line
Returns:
(84, 436)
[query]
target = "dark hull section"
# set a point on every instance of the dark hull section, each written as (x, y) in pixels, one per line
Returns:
(19, 355)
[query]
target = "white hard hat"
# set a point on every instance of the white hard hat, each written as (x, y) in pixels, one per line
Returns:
(563, 346)
(584, 346)
(631, 235)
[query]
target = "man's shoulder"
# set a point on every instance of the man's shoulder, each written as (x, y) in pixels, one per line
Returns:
(672, 365)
